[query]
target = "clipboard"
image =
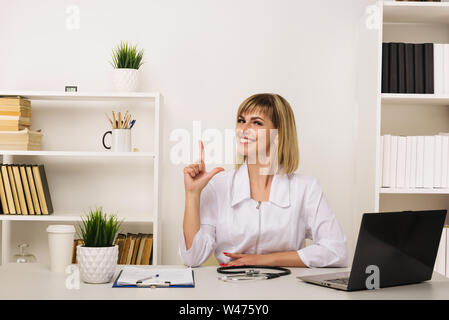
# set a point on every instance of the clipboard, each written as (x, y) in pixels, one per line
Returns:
(165, 284)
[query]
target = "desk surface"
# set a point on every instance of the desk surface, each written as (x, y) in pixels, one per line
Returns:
(36, 281)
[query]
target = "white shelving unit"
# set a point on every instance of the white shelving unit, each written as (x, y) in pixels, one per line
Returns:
(411, 114)
(400, 23)
(148, 218)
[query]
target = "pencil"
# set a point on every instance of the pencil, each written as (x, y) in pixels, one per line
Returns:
(128, 116)
(114, 126)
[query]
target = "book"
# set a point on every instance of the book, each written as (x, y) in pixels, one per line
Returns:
(386, 181)
(120, 241)
(43, 192)
(409, 68)
(26, 189)
(413, 158)
(76, 242)
(25, 136)
(393, 161)
(14, 102)
(419, 68)
(401, 162)
(20, 192)
(14, 190)
(146, 256)
(439, 68)
(408, 160)
(429, 158)
(446, 67)
(124, 255)
(445, 161)
(8, 190)
(419, 162)
(428, 68)
(33, 190)
(4, 204)
(401, 68)
(393, 63)
(437, 164)
(385, 68)
(141, 247)
(136, 248)
(132, 242)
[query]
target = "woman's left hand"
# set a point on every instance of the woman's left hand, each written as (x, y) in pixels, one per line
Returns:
(242, 259)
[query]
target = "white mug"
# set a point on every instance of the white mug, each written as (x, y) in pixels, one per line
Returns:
(121, 140)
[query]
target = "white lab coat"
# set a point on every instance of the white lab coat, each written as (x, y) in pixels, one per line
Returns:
(232, 222)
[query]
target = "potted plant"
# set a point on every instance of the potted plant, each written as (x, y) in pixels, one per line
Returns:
(126, 60)
(97, 257)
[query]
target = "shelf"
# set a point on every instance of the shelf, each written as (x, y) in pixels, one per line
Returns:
(428, 99)
(413, 191)
(83, 96)
(65, 218)
(88, 154)
(416, 12)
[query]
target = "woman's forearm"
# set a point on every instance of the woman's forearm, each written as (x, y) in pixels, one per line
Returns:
(285, 259)
(191, 224)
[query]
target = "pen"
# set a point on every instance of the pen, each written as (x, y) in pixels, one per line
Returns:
(148, 278)
(132, 123)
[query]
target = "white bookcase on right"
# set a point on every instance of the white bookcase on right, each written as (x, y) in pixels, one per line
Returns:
(413, 114)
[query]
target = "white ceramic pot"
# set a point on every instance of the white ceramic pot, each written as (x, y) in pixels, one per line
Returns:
(125, 80)
(97, 265)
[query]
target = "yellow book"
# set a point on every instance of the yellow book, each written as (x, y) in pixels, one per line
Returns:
(147, 250)
(141, 247)
(34, 196)
(8, 190)
(132, 242)
(43, 192)
(26, 189)
(14, 190)
(5, 208)
(20, 193)
(15, 102)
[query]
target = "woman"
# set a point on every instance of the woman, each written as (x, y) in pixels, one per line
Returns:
(260, 213)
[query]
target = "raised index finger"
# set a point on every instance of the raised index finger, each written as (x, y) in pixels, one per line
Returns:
(201, 151)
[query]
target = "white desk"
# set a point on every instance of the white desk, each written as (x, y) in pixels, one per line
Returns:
(35, 281)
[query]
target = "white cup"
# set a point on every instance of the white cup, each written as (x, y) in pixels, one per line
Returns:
(60, 242)
(121, 140)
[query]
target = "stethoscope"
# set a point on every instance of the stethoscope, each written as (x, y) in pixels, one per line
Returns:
(245, 273)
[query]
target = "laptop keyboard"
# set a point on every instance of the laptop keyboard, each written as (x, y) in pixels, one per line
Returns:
(339, 281)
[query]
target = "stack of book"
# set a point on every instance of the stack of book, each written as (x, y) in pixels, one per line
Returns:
(132, 248)
(24, 190)
(408, 68)
(15, 121)
(415, 161)
(15, 113)
(20, 140)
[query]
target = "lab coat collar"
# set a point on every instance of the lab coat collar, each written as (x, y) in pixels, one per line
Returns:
(279, 193)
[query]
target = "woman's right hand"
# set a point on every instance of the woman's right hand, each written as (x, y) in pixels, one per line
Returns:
(195, 175)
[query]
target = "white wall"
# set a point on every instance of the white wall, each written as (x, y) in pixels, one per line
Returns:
(205, 57)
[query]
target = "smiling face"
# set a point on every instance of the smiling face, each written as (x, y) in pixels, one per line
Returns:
(253, 134)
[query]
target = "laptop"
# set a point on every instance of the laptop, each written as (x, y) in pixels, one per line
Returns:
(402, 246)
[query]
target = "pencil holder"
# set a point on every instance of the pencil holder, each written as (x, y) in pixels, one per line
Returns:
(121, 140)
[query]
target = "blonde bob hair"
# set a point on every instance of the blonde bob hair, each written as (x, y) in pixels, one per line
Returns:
(281, 114)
